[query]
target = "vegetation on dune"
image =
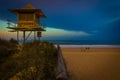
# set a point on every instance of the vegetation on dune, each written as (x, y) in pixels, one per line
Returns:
(34, 61)
(7, 48)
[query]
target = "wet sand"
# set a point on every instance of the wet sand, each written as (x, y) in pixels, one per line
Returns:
(93, 63)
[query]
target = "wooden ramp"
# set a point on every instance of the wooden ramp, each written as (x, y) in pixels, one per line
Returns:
(61, 73)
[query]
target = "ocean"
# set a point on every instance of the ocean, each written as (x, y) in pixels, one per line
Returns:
(83, 43)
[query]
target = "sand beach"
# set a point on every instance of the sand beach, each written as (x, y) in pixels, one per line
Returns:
(93, 63)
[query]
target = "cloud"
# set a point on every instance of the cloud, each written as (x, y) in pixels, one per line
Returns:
(54, 32)
(50, 32)
(7, 35)
(113, 20)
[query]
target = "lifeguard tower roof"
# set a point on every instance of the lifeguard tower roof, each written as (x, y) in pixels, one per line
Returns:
(28, 8)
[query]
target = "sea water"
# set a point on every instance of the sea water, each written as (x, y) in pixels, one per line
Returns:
(83, 43)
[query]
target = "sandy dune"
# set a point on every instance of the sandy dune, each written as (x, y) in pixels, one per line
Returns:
(92, 64)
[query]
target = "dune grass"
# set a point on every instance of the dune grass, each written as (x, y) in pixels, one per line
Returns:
(7, 48)
(34, 61)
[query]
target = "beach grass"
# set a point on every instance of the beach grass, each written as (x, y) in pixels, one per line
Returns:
(33, 61)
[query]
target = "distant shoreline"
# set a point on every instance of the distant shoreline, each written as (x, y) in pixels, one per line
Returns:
(89, 46)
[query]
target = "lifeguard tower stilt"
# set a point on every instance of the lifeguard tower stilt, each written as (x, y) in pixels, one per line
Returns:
(28, 21)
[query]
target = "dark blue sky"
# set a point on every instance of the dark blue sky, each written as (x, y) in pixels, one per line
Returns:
(77, 19)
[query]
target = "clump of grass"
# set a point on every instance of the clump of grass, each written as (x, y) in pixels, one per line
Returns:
(36, 61)
(7, 47)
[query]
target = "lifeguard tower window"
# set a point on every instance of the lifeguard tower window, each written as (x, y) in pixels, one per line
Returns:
(27, 20)
(26, 17)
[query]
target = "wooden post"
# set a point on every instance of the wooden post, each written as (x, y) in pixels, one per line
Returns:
(23, 36)
(18, 36)
(39, 38)
(39, 35)
(34, 36)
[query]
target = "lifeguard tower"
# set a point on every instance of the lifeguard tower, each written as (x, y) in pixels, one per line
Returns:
(28, 21)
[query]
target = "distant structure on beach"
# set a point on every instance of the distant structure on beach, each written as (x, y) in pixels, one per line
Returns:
(28, 21)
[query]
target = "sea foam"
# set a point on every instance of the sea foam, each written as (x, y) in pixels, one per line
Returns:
(90, 46)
